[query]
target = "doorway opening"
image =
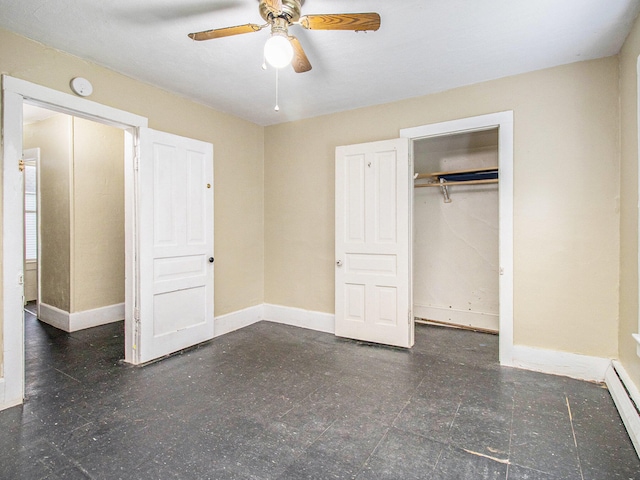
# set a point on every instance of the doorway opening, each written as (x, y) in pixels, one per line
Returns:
(168, 232)
(455, 231)
(73, 220)
(16, 93)
(472, 127)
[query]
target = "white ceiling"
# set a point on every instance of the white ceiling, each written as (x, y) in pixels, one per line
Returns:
(423, 46)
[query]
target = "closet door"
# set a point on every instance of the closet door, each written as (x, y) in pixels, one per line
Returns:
(373, 288)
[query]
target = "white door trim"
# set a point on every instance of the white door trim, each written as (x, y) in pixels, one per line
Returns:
(504, 122)
(636, 336)
(15, 92)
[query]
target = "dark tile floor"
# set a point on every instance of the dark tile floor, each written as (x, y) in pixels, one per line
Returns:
(278, 402)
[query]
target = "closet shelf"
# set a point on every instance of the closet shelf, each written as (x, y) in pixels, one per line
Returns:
(465, 182)
(462, 175)
(471, 176)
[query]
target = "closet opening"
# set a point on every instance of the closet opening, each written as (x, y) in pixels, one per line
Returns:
(502, 123)
(456, 264)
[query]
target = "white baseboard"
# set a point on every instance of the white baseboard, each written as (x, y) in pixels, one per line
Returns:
(572, 365)
(54, 316)
(237, 320)
(72, 322)
(297, 317)
(96, 317)
(636, 337)
(322, 322)
(486, 321)
(626, 397)
(7, 402)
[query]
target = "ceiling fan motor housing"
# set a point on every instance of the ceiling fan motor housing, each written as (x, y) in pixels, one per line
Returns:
(290, 10)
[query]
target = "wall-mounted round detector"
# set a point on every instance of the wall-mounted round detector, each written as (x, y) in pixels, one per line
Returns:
(81, 86)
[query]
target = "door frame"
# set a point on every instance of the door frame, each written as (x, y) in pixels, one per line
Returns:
(15, 92)
(503, 121)
(636, 336)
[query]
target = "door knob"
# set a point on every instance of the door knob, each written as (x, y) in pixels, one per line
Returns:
(339, 263)
(210, 259)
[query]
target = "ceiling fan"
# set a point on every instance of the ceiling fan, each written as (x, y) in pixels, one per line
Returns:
(282, 48)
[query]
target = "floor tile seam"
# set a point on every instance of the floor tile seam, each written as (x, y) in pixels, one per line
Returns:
(466, 451)
(549, 412)
(544, 472)
(513, 406)
(372, 453)
(33, 417)
(507, 389)
(410, 430)
(50, 471)
(304, 450)
(406, 403)
(301, 401)
(66, 375)
(88, 422)
(67, 458)
(440, 453)
(452, 444)
(141, 460)
(76, 462)
(73, 464)
(443, 444)
(453, 421)
(86, 419)
(575, 440)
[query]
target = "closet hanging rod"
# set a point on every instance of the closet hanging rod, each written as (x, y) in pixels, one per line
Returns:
(454, 172)
(448, 184)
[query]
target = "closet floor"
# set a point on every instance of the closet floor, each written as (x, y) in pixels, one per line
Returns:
(279, 402)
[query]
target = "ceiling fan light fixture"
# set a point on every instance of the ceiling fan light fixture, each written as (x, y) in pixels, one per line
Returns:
(278, 50)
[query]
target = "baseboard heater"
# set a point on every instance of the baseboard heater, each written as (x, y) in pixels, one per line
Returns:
(627, 399)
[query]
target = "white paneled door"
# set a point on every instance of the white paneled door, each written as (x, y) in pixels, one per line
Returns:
(373, 287)
(175, 244)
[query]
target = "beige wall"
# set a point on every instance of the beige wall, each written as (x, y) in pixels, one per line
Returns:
(629, 204)
(238, 156)
(97, 249)
(82, 213)
(53, 137)
(566, 207)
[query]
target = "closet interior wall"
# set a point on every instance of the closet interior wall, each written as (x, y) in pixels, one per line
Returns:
(455, 245)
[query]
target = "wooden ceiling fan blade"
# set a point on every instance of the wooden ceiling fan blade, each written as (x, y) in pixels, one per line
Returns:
(341, 21)
(300, 61)
(226, 32)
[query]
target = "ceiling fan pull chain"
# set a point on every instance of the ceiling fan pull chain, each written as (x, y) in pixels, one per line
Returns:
(277, 109)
